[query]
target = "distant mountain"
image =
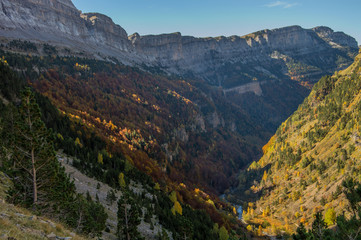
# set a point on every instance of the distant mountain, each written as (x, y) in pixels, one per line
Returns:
(254, 72)
(290, 52)
(245, 86)
(191, 112)
(306, 161)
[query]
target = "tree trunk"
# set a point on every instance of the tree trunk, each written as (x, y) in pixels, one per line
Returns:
(35, 187)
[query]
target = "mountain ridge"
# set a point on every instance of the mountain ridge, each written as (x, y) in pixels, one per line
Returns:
(59, 22)
(311, 154)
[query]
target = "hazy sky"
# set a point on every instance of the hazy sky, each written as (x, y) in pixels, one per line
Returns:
(203, 18)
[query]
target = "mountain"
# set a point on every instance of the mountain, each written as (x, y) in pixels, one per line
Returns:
(187, 112)
(223, 61)
(306, 161)
(250, 71)
(229, 93)
(96, 167)
(268, 54)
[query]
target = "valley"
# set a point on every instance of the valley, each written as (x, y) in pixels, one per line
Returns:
(177, 130)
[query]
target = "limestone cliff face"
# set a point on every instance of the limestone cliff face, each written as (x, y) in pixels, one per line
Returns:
(59, 22)
(207, 56)
(268, 55)
(338, 39)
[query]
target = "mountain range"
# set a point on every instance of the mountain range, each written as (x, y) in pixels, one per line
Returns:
(189, 112)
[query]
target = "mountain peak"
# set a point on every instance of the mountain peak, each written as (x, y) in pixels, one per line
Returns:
(336, 39)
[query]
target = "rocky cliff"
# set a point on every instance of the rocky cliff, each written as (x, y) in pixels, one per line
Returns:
(259, 52)
(262, 73)
(283, 53)
(60, 23)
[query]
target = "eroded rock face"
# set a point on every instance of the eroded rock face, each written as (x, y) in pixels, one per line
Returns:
(59, 22)
(207, 56)
(229, 62)
(335, 38)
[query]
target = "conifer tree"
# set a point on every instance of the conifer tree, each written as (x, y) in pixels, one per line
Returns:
(129, 213)
(40, 177)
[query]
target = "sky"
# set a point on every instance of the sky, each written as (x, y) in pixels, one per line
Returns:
(211, 18)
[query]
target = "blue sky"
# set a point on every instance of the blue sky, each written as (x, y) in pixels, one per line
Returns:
(204, 18)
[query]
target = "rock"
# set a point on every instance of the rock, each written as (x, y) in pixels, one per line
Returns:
(51, 236)
(32, 218)
(4, 215)
(215, 59)
(51, 20)
(3, 236)
(51, 223)
(20, 215)
(333, 37)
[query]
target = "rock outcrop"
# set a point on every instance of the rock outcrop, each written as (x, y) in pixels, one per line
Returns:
(60, 23)
(267, 55)
(209, 57)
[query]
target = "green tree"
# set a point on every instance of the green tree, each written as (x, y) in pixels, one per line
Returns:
(40, 177)
(128, 217)
(223, 233)
(111, 197)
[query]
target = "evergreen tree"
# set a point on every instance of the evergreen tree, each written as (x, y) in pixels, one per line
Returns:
(40, 179)
(129, 213)
(223, 233)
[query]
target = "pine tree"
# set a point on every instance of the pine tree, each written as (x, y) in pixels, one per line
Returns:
(128, 217)
(40, 177)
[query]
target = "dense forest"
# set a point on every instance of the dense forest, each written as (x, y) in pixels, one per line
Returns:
(311, 165)
(117, 156)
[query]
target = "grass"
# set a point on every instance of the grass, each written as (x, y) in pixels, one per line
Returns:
(20, 223)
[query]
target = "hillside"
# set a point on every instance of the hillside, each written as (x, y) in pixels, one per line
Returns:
(265, 74)
(166, 126)
(99, 174)
(20, 223)
(308, 158)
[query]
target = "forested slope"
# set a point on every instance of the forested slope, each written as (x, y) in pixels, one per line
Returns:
(306, 161)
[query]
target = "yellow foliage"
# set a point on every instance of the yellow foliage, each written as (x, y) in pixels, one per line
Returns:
(209, 201)
(269, 146)
(264, 178)
(177, 208)
(78, 143)
(100, 158)
(173, 196)
(249, 228)
(260, 231)
(121, 180)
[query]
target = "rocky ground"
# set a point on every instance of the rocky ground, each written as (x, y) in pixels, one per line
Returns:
(95, 188)
(19, 224)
